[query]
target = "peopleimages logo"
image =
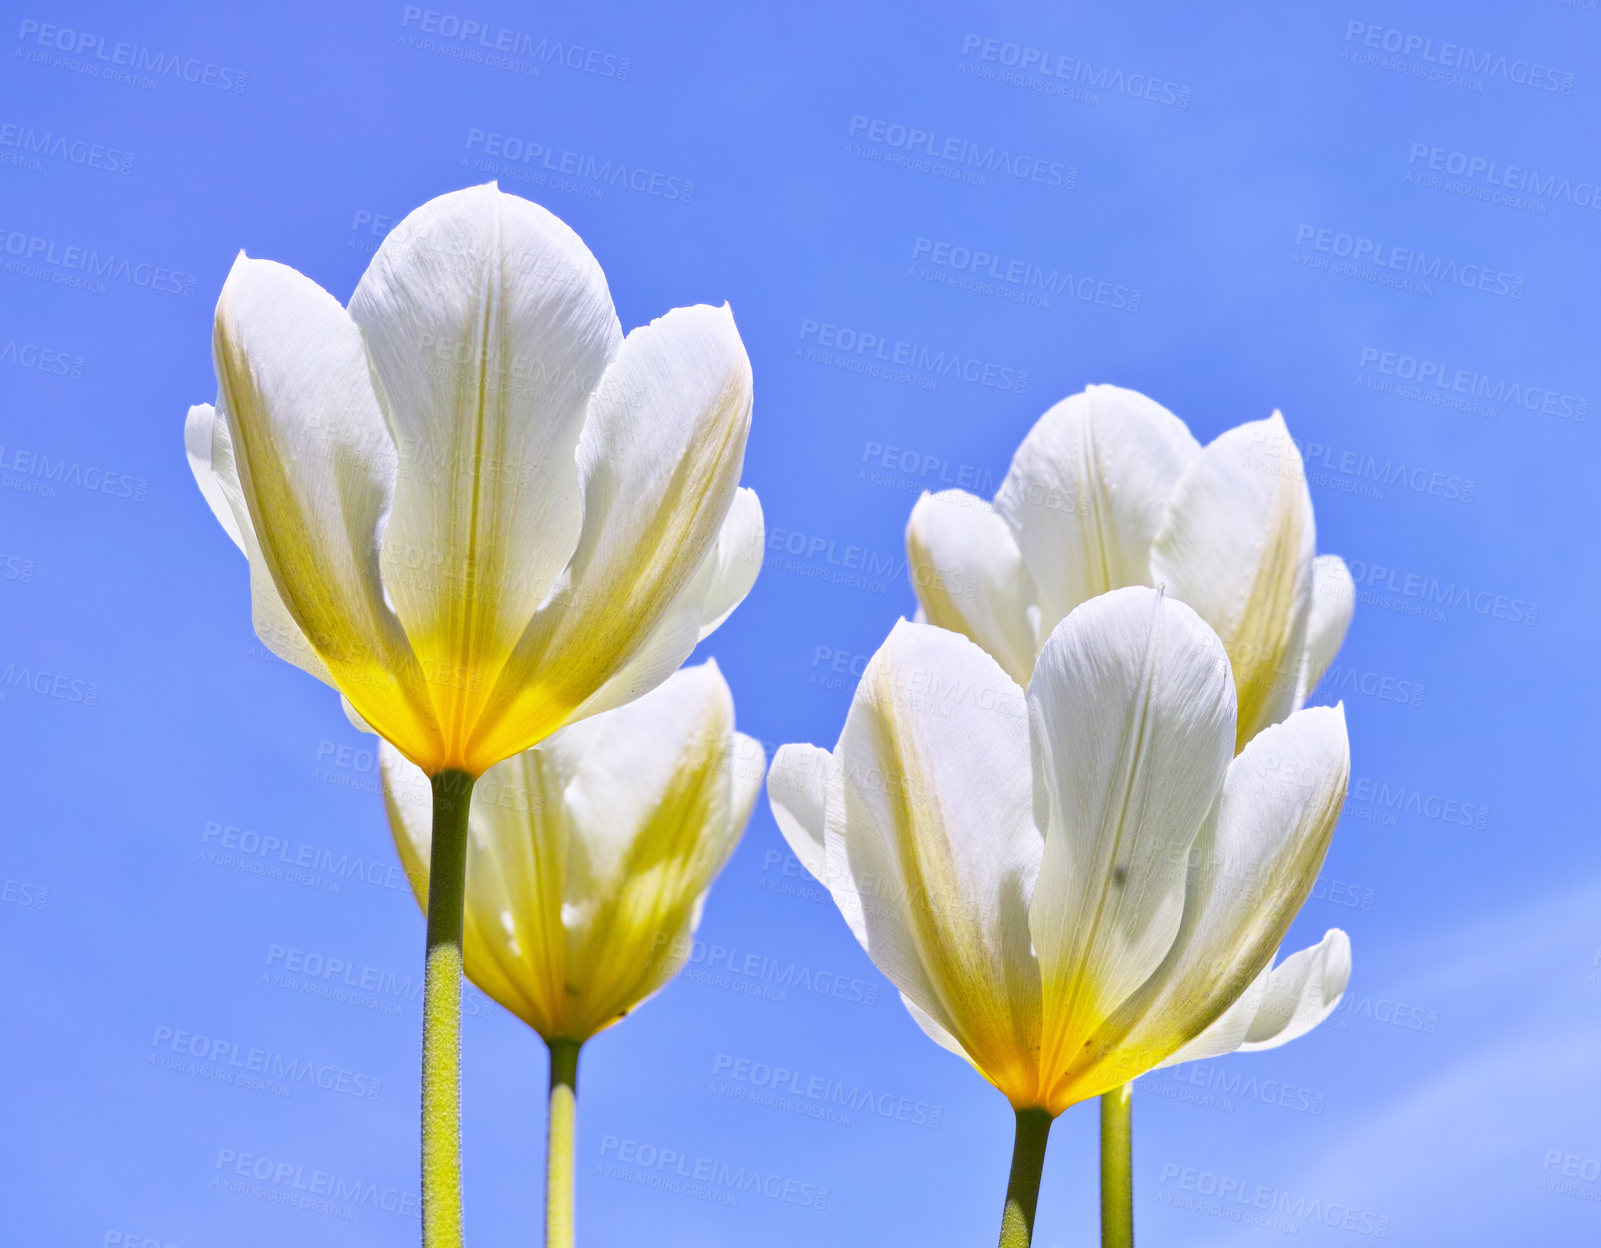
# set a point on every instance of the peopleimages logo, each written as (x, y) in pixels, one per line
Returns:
(1496, 173)
(32, 472)
(533, 161)
(123, 62)
(1416, 264)
(1379, 796)
(473, 40)
(41, 359)
(1245, 1196)
(1063, 75)
(816, 1096)
(1456, 56)
(1353, 471)
(1439, 377)
(856, 350)
(764, 969)
(1429, 590)
(964, 156)
(226, 1061)
(309, 1188)
(705, 1178)
(34, 146)
(68, 264)
(1020, 281)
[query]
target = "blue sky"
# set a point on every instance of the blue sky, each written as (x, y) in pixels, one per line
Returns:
(1380, 222)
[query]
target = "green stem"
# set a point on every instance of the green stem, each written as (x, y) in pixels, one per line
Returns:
(441, 1013)
(560, 1130)
(1023, 1187)
(1117, 1169)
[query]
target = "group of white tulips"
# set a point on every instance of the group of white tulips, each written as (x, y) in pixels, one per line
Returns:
(1074, 807)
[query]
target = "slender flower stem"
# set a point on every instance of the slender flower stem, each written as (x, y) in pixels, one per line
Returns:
(1023, 1187)
(441, 1014)
(560, 1130)
(1117, 1169)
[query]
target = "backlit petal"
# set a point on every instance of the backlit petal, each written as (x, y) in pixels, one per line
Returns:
(490, 325)
(656, 808)
(733, 563)
(660, 458)
(797, 789)
(931, 849)
(316, 468)
(1086, 493)
(934, 1031)
(1302, 991)
(1333, 601)
(1282, 1004)
(1132, 716)
(724, 577)
(210, 450)
(969, 576)
(1237, 545)
(1229, 1031)
(1250, 873)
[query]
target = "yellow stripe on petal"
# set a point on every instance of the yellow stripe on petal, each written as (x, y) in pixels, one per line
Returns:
(316, 469)
(661, 455)
(931, 847)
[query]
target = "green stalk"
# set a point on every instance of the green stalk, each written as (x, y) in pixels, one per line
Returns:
(1023, 1186)
(1117, 1169)
(560, 1130)
(441, 1013)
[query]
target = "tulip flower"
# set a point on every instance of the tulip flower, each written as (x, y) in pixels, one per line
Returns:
(478, 511)
(1109, 490)
(1074, 884)
(588, 860)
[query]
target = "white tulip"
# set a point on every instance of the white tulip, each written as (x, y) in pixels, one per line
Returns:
(590, 855)
(1078, 883)
(469, 503)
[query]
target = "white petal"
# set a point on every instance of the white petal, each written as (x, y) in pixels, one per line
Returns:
(747, 765)
(490, 326)
(1333, 600)
(660, 655)
(933, 1030)
(1250, 873)
(661, 457)
(1133, 727)
(724, 577)
(1229, 1031)
(1283, 1003)
(316, 468)
(1086, 493)
(797, 790)
(210, 450)
(734, 561)
(622, 763)
(1303, 990)
(656, 808)
(408, 798)
(969, 576)
(1236, 544)
(353, 715)
(931, 849)
(197, 439)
